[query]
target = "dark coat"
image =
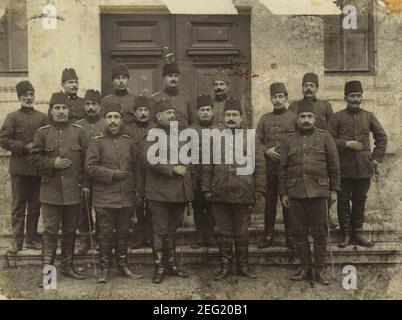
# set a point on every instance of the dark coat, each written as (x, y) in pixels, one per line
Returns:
(323, 111)
(272, 129)
(309, 166)
(17, 131)
(126, 102)
(106, 154)
(60, 187)
(93, 129)
(345, 126)
(226, 185)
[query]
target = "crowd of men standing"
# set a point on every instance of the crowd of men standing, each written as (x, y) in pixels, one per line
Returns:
(91, 153)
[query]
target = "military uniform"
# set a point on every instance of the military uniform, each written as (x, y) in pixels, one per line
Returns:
(357, 167)
(93, 127)
(219, 113)
(309, 170)
(125, 99)
(272, 130)
(167, 196)
(113, 198)
(182, 104)
(322, 109)
(17, 131)
(60, 191)
(203, 218)
(232, 198)
(76, 105)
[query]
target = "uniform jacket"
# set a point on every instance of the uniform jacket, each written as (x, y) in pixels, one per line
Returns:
(158, 182)
(92, 128)
(125, 100)
(182, 103)
(138, 130)
(347, 125)
(272, 130)
(323, 112)
(106, 154)
(196, 169)
(60, 187)
(226, 185)
(76, 105)
(309, 166)
(18, 130)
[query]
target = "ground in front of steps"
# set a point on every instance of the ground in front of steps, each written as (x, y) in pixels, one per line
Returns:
(373, 282)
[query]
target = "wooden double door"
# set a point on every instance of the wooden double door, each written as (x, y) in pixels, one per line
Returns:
(200, 43)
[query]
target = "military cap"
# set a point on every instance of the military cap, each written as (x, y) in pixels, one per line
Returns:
(23, 87)
(68, 74)
(277, 87)
(353, 86)
(220, 74)
(142, 101)
(163, 105)
(204, 100)
(305, 106)
(111, 107)
(233, 104)
(58, 98)
(310, 77)
(120, 70)
(170, 68)
(92, 95)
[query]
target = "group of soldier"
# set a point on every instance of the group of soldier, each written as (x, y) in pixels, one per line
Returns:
(92, 153)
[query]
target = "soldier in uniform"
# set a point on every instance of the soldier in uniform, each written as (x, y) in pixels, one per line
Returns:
(308, 174)
(272, 129)
(168, 190)
(58, 151)
(203, 217)
(121, 93)
(110, 162)
(93, 126)
(221, 88)
(16, 135)
(233, 195)
(351, 129)
(69, 82)
(138, 130)
(180, 100)
(322, 108)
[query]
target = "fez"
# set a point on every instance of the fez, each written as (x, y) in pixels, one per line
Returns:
(92, 95)
(163, 105)
(111, 107)
(277, 87)
(310, 77)
(68, 74)
(220, 74)
(170, 68)
(142, 101)
(23, 87)
(120, 70)
(204, 100)
(233, 104)
(305, 106)
(58, 98)
(353, 86)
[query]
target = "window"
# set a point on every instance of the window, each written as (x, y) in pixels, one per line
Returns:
(350, 50)
(13, 37)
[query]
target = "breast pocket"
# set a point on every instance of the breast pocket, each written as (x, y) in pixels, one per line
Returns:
(320, 154)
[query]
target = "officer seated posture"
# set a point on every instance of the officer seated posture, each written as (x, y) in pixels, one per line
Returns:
(110, 162)
(308, 175)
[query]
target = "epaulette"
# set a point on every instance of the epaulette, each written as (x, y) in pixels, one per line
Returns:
(126, 136)
(105, 97)
(321, 130)
(79, 121)
(156, 93)
(99, 136)
(291, 134)
(44, 127)
(76, 125)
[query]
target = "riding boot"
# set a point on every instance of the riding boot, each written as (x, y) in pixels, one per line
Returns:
(67, 254)
(105, 253)
(320, 253)
(241, 251)
(225, 256)
(158, 259)
(303, 249)
(359, 240)
(85, 243)
(122, 260)
(171, 268)
(345, 240)
(267, 239)
(49, 247)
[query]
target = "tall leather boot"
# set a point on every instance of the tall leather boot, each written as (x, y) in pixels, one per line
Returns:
(122, 260)
(320, 253)
(290, 242)
(171, 267)
(267, 239)
(241, 250)
(85, 243)
(344, 224)
(105, 246)
(67, 253)
(359, 240)
(157, 251)
(225, 256)
(303, 249)
(49, 247)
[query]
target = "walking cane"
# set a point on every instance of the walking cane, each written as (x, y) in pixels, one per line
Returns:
(329, 237)
(90, 233)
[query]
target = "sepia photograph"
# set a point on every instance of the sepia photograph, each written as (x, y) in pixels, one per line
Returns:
(200, 150)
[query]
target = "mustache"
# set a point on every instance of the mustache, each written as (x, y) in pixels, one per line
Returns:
(173, 82)
(231, 122)
(219, 90)
(309, 91)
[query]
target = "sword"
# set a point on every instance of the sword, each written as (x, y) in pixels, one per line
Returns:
(90, 233)
(328, 207)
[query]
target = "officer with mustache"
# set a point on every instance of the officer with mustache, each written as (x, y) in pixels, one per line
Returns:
(58, 151)
(70, 84)
(110, 162)
(180, 100)
(351, 129)
(93, 126)
(16, 135)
